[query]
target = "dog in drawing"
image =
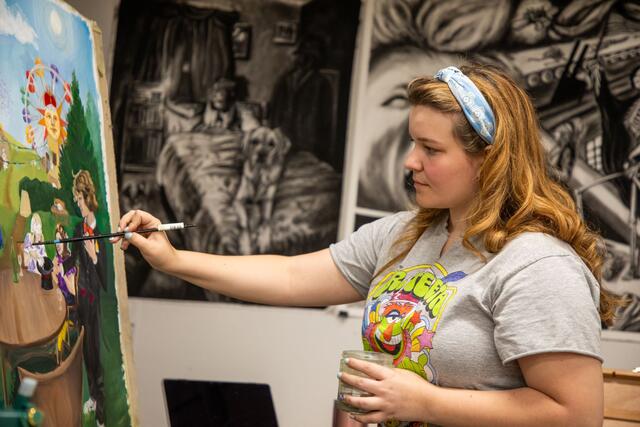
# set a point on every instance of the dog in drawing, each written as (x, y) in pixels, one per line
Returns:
(264, 152)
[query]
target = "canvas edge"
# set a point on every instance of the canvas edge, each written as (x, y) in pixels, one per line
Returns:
(126, 344)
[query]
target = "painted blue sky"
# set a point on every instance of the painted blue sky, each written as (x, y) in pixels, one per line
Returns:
(44, 29)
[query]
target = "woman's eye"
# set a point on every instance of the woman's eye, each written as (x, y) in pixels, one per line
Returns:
(396, 101)
(430, 150)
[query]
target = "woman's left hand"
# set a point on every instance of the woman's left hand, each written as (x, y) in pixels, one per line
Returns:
(397, 394)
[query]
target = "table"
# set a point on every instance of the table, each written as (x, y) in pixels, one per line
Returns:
(29, 315)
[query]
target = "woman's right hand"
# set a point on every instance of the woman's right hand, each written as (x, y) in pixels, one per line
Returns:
(154, 247)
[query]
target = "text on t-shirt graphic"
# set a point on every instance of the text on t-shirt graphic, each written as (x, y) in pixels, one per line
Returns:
(403, 311)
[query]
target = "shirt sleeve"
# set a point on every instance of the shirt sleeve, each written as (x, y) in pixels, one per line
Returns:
(357, 255)
(551, 305)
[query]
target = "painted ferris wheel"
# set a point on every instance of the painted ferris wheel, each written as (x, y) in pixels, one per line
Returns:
(46, 98)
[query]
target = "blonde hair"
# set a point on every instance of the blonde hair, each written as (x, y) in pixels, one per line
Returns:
(83, 185)
(515, 194)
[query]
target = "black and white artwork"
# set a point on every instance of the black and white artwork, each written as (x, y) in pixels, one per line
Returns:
(579, 60)
(231, 115)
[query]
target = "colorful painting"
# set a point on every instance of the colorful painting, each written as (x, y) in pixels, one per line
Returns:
(62, 306)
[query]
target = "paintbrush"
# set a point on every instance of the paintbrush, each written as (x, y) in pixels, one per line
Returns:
(161, 227)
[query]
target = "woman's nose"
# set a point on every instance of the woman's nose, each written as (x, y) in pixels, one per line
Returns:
(411, 161)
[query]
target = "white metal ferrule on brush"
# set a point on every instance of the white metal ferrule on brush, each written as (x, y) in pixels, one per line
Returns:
(171, 226)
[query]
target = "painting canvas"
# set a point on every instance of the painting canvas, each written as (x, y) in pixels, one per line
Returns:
(579, 62)
(62, 306)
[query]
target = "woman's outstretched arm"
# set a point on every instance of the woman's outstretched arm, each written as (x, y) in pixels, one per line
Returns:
(303, 280)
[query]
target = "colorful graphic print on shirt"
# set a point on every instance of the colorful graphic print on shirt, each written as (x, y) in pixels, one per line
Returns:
(402, 314)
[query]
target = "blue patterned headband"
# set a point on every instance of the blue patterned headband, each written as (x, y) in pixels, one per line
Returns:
(474, 106)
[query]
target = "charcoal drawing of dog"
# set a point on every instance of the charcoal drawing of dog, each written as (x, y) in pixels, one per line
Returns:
(264, 152)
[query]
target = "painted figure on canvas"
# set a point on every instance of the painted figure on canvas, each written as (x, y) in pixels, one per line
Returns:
(89, 257)
(34, 254)
(64, 278)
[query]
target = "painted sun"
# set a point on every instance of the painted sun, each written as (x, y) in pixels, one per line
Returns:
(55, 22)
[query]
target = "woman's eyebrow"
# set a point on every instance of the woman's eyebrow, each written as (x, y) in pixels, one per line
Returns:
(422, 139)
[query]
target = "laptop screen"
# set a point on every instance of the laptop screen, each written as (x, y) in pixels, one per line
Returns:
(220, 404)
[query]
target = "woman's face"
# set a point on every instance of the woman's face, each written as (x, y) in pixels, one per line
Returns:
(444, 174)
(36, 225)
(82, 205)
(52, 122)
(385, 140)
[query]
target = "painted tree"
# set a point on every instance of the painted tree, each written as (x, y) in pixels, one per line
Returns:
(79, 153)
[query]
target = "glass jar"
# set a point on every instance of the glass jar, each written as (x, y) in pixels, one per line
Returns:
(382, 359)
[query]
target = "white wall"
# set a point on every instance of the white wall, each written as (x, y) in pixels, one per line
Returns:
(296, 351)
(621, 350)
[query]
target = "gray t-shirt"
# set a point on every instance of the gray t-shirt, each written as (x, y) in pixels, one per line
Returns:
(460, 322)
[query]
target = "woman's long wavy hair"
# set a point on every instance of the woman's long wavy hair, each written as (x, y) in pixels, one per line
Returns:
(515, 194)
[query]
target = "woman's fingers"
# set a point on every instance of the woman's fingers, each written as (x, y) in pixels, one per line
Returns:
(115, 239)
(126, 218)
(124, 223)
(371, 370)
(136, 218)
(132, 221)
(375, 417)
(371, 383)
(138, 241)
(364, 384)
(366, 403)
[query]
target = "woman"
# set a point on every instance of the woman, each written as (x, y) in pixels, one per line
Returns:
(89, 257)
(34, 255)
(487, 295)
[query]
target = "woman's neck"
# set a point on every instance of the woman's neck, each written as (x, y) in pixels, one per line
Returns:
(90, 219)
(457, 222)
